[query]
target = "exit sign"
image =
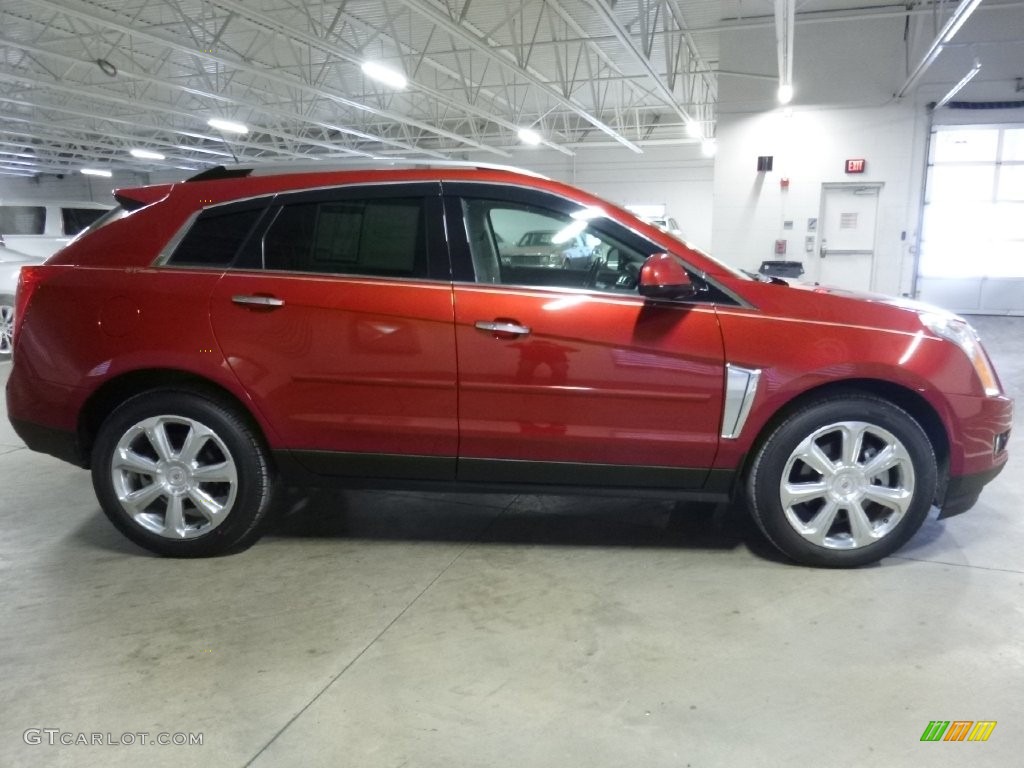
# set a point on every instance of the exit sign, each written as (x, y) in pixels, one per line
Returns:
(856, 166)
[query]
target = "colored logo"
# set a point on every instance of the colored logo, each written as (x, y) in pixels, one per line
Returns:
(958, 730)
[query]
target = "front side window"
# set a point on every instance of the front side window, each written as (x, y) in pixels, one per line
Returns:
(521, 244)
(380, 237)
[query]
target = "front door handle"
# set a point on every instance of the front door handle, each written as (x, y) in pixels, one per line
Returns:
(502, 328)
(258, 301)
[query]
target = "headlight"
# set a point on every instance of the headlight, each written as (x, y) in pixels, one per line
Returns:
(959, 331)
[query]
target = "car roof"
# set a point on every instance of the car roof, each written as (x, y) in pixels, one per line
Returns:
(225, 184)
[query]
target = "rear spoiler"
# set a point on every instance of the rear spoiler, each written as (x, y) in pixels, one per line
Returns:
(133, 198)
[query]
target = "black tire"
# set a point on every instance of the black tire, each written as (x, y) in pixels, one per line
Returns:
(841, 510)
(200, 480)
(6, 325)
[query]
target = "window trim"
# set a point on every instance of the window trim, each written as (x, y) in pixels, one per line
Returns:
(439, 264)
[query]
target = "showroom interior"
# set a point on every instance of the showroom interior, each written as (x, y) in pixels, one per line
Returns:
(871, 146)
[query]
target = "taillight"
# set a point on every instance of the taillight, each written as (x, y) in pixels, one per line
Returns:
(28, 280)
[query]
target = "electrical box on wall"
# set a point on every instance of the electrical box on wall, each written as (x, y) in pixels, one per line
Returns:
(764, 163)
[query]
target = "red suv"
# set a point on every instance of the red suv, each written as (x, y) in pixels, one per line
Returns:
(210, 340)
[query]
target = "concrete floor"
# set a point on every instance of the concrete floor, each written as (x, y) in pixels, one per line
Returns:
(392, 629)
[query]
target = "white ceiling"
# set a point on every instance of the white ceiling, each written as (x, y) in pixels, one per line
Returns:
(580, 72)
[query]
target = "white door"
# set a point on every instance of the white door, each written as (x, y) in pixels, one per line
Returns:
(846, 245)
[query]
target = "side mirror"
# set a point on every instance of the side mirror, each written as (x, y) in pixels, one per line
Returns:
(663, 277)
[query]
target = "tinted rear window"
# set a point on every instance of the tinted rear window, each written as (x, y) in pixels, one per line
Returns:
(22, 219)
(214, 238)
(384, 237)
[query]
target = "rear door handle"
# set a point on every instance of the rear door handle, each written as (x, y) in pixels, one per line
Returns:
(264, 302)
(502, 327)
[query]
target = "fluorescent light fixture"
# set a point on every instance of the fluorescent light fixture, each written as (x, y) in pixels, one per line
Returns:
(693, 129)
(96, 172)
(960, 15)
(709, 147)
(785, 93)
(963, 81)
(384, 75)
(529, 136)
(227, 126)
(145, 154)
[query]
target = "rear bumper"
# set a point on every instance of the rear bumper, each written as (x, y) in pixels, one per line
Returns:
(56, 442)
(45, 415)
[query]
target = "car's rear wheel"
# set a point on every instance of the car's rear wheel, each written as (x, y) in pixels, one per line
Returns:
(843, 482)
(182, 475)
(6, 325)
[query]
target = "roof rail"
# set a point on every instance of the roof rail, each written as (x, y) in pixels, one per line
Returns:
(271, 169)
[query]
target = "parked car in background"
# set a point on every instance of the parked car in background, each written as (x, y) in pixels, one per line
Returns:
(217, 338)
(564, 250)
(30, 232)
(10, 268)
(43, 228)
(667, 224)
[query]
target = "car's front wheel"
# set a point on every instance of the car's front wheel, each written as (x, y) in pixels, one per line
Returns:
(843, 482)
(182, 475)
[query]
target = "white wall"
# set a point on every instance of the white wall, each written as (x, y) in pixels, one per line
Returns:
(810, 148)
(844, 75)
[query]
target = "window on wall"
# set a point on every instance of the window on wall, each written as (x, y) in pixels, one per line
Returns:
(974, 203)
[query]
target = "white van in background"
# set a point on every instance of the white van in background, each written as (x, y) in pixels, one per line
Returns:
(31, 232)
(42, 229)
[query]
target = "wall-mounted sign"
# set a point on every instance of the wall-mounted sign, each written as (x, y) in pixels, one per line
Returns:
(856, 166)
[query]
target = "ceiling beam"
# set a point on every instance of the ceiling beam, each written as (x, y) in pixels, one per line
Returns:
(266, 21)
(483, 46)
(285, 81)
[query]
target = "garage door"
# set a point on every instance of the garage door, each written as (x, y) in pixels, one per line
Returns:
(972, 239)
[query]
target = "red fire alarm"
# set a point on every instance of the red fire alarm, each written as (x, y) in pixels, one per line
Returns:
(856, 166)
(784, 182)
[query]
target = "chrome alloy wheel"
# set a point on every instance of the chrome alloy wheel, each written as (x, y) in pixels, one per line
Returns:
(6, 328)
(174, 476)
(847, 485)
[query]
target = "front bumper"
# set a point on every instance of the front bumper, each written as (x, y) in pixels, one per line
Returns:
(962, 492)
